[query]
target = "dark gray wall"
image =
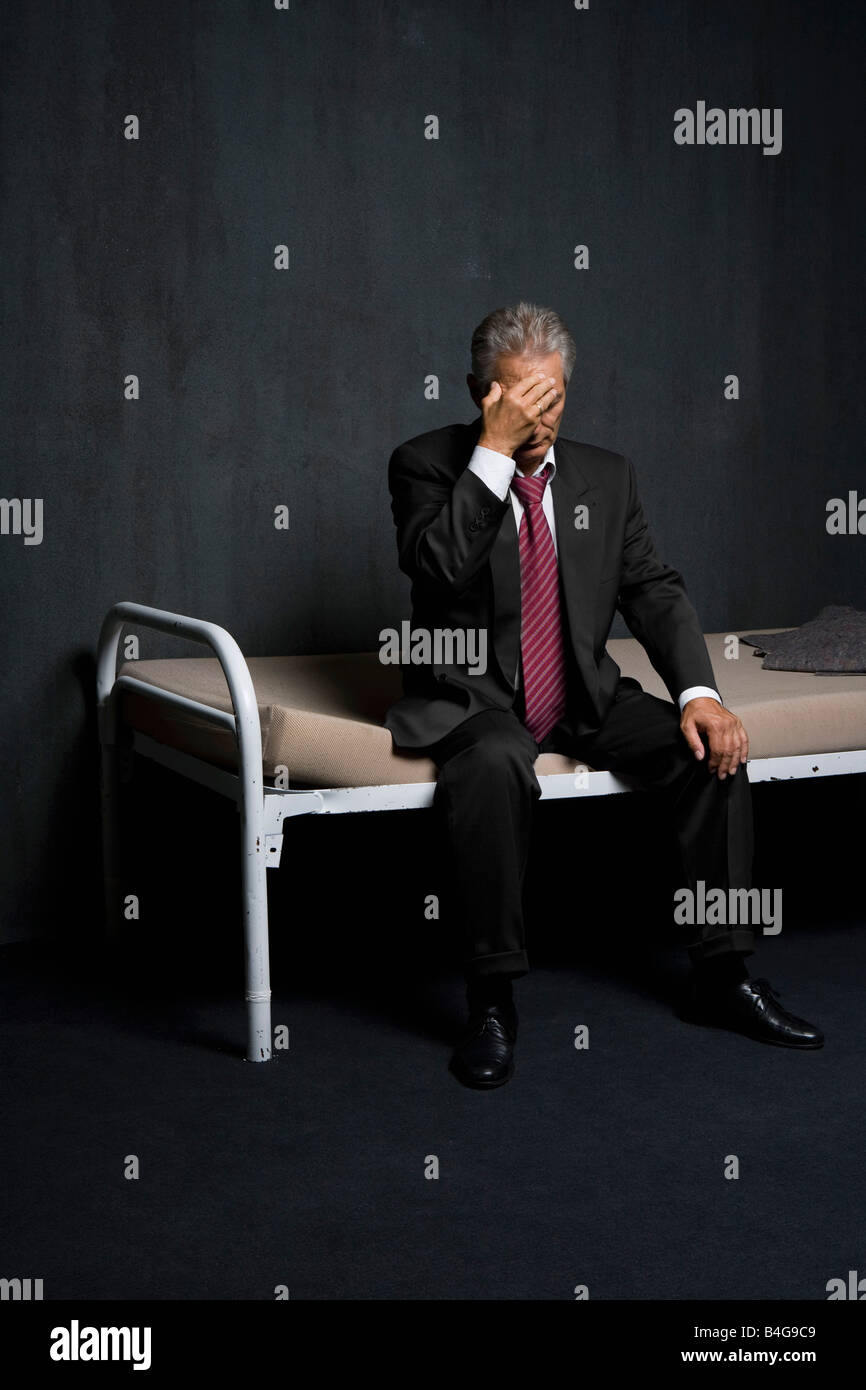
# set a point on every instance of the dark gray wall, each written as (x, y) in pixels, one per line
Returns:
(306, 127)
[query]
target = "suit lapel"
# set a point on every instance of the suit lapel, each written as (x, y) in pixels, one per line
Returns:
(505, 566)
(579, 519)
(505, 569)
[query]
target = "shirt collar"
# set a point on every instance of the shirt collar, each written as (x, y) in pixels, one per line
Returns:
(548, 460)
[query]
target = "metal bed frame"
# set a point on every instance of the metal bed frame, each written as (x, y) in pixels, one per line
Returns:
(263, 809)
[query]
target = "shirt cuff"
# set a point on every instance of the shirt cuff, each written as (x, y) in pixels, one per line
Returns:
(695, 691)
(494, 469)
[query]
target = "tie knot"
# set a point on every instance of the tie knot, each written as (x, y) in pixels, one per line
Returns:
(531, 490)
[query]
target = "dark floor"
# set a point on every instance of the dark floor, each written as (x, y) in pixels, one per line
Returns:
(602, 1167)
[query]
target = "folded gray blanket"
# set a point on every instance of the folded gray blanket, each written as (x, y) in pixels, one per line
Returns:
(832, 644)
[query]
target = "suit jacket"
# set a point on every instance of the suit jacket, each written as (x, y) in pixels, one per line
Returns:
(457, 542)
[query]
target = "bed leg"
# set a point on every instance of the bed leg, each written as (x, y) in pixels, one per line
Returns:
(255, 899)
(109, 795)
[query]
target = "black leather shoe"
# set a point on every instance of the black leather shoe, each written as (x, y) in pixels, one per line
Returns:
(485, 1056)
(751, 1007)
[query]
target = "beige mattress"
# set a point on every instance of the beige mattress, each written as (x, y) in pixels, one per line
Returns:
(321, 716)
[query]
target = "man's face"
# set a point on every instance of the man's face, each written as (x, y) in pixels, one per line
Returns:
(509, 370)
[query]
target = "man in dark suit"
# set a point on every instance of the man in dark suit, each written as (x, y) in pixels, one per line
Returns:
(513, 535)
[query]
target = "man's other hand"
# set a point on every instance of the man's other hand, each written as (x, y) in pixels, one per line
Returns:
(509, 417)
(728, 740)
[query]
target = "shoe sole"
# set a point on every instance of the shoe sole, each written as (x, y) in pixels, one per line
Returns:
(756, 1037)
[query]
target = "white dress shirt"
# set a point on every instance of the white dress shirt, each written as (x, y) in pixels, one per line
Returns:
(496, 471)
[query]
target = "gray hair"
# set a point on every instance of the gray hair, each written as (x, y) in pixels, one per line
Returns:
(520, 328)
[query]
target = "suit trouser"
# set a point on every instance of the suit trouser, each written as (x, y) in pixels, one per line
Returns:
(487, 788)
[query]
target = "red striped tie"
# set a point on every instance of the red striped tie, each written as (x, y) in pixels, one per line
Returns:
(540, 620)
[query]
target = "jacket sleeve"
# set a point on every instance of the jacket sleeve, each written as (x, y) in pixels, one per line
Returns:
(445, 528)
(656, 608)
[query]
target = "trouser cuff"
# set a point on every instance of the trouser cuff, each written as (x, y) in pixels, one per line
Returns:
(513, 963)
(741, 940)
